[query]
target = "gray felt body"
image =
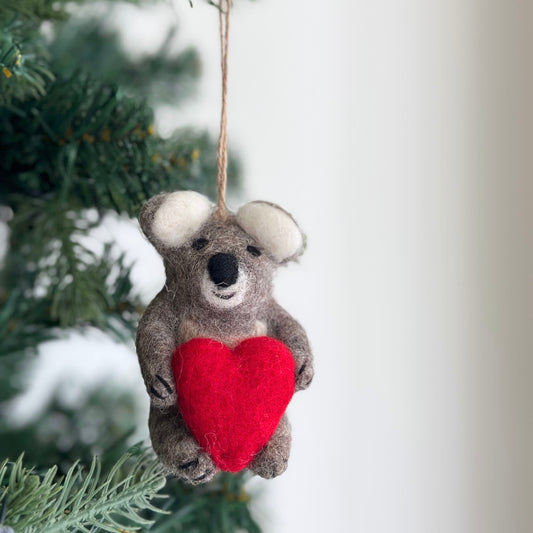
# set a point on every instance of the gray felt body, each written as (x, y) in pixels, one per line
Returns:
(180, 312)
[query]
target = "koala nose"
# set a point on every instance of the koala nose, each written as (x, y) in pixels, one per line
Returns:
(223, 269)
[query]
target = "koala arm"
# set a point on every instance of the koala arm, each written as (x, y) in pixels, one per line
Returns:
(282, 326)
(156, 341)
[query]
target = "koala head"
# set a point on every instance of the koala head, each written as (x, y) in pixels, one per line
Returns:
(220, 264)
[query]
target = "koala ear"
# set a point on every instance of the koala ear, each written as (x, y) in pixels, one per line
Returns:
(273, 228)
(170, 219)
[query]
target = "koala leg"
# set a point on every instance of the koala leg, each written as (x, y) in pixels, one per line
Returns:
(272, 460)
(177, 449)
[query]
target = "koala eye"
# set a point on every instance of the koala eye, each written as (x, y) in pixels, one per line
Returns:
(198, 244)
(253, 250)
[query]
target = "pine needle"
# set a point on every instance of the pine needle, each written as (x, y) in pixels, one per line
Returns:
(82, 499)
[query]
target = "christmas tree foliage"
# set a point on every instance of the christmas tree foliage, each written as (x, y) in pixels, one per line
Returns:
(78, 141)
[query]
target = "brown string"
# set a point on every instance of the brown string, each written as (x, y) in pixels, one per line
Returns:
(222, 156)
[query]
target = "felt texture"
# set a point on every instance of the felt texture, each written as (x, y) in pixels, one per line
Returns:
(180, 216)
(191, 305)
(273, 227)
(233, 400)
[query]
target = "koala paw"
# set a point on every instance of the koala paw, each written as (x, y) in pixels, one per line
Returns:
(304, 374)
(196, 469)
(267, 468)
(162, 393)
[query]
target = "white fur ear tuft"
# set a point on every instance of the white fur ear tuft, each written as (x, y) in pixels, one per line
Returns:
(273, 228)
(180, 216)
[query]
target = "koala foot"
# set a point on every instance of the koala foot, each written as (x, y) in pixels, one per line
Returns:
(273, 459)
(177, 449)
(267, 467)
(196, 470)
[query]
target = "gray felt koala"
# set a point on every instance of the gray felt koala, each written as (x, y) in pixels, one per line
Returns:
(219, 286)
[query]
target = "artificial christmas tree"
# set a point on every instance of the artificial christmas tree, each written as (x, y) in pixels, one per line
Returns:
(77, 140)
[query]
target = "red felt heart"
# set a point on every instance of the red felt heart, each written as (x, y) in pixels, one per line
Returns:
(233, 400)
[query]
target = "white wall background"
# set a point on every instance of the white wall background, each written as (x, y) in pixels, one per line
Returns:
(399, 133)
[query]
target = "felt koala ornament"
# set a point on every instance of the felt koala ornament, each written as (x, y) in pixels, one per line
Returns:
(219, 357)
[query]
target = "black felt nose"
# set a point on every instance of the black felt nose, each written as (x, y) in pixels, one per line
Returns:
(223, 269)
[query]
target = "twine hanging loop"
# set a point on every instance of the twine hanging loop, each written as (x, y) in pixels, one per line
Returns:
(224, 9)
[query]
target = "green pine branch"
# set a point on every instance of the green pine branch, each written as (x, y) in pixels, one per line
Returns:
(24, 68)
(81, 501)
(162, 76)
(90, 145)
(68, 284)
(221, 506)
